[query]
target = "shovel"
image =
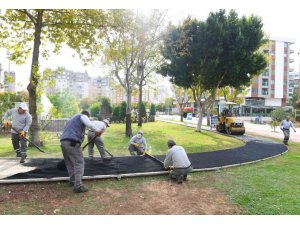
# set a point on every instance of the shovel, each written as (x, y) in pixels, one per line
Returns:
(37, 147)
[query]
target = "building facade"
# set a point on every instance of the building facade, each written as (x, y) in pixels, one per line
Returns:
(76, 82)
(271, 88)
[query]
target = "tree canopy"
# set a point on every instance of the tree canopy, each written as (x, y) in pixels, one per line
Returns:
(26, 31)
(207, 55)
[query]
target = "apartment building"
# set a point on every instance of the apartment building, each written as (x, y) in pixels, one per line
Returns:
(294, 84)
(272, 87)
(76, 82)
(98, 86)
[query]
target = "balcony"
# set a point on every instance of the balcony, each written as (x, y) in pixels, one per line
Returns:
(291, 69)
(292, 51)
(291, 60)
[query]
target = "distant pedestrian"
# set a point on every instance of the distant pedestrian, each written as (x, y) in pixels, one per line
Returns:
(71, 140)
(137, 144)
(21, 121)
(177, 162)
(101, 125)
(285, 127)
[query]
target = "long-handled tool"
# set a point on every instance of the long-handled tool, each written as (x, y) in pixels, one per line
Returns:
(92, 141)
(89, 142)
(29, 141)
(154, 159)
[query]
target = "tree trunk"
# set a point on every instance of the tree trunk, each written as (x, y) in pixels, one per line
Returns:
(199, 124)
(140, 121)
(128, 115)
(181, 112)
(32, 86)
(208, 116)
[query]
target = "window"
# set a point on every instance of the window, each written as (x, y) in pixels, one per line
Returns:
(255, 90)
(266, 73)
(264, 91)
(265, 82)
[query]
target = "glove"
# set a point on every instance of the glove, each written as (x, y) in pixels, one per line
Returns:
(169, 168)
(136, 144)
(22, 134)
(5, 124)
(98, 133)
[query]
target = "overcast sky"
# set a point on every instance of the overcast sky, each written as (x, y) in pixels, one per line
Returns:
(280, 18)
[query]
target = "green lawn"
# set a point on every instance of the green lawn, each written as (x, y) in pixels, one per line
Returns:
(156, 134)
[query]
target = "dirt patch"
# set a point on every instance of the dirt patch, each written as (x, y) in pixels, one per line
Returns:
(158, 197)
(169, 198)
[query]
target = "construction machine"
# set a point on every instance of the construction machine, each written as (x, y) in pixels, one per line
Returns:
(227, 121)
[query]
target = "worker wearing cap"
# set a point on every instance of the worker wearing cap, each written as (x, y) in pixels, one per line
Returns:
(21, 121)
(177, 162)
(101, 125)
(71, 140)
(285, 126)
(138, 144)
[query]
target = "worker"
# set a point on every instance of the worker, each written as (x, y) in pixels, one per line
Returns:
(101, 125)
(177, 162)
(138, 144)
(71, 140)
(285, 127)
(21, 122)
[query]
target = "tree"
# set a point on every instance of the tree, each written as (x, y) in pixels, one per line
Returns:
(85, 103)
(123, 108)
(65, 103)
(105, 109)
(94, 109)
(121, 54)
(152, 112)
(278, 114)
(116, 114)
(8, 99)
(207, 55)
(148, 38)
(295, 101)
(24, 31)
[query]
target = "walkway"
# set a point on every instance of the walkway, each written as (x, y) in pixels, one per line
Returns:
(264, 130)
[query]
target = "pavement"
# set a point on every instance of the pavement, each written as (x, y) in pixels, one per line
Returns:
(264, 130)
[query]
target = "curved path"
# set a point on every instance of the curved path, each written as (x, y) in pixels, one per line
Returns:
(45, 169)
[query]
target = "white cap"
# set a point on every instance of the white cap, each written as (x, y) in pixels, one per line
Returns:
(23, 106)
(106, 121)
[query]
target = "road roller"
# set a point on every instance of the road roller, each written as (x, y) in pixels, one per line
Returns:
(227, 121)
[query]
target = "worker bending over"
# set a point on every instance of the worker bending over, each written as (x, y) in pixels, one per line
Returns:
(177, 162)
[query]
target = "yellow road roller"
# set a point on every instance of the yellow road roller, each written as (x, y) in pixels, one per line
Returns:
(227, 121)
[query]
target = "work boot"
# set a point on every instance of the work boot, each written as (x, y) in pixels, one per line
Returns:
(71, 184)
(22, 160)
(80, 189)
(180, 179)
(185, 177)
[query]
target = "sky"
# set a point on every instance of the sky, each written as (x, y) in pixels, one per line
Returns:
(280, 18)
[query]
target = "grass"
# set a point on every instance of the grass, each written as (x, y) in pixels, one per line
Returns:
(156, 135)
(269, 187)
